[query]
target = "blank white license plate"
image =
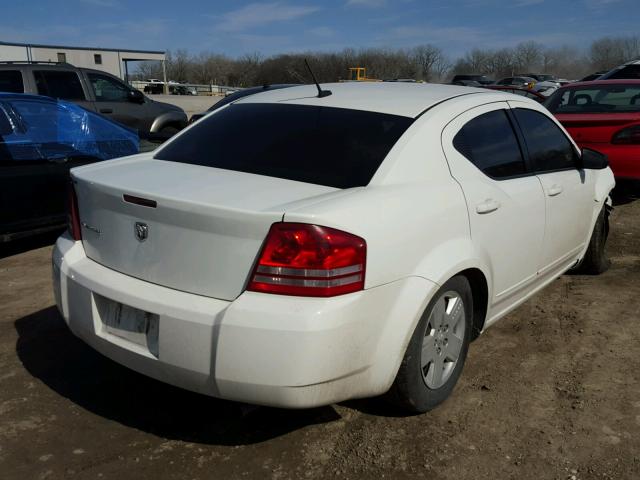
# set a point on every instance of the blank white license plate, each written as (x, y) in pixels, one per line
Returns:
(129, 323)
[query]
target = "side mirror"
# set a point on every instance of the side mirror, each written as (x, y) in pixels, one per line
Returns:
(593, 160)
(136, 96)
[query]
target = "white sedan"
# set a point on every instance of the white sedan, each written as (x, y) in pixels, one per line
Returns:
(295, 249)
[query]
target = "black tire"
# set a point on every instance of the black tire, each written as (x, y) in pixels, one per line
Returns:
(595, 260)
(410, 390)
(168, 131)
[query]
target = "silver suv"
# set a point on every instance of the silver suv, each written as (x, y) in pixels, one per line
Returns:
(97, 91)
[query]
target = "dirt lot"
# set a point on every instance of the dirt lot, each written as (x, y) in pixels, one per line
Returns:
(551, 392)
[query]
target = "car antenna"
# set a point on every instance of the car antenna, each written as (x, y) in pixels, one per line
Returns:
(321, 93)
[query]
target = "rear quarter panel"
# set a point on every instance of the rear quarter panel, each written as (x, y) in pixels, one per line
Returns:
(412, 215)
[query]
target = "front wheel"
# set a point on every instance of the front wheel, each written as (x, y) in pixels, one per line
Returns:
(595, 260)
(437, 350)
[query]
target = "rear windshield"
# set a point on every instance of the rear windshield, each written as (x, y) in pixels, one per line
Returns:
(334, 147)
(596, 99)
(627, 72)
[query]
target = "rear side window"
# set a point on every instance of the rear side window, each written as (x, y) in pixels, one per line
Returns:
(59, 84)
(336, 147)
(549, 148)
(490, 143)
(11, 81)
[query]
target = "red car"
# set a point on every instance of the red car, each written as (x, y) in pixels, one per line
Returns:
(603, 115)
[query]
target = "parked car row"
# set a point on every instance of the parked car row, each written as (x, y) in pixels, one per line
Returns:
(544, 84)
(174, 89)
(96, 91)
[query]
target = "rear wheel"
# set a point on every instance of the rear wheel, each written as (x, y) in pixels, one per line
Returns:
(437, 350)
(595, 260)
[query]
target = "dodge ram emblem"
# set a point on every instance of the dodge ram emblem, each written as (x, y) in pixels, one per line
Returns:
(142, 231)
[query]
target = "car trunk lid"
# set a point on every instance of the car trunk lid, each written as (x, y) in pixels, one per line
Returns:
(204, 232)
(596, 127)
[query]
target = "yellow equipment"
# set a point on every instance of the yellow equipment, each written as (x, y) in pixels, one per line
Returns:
(359, 74)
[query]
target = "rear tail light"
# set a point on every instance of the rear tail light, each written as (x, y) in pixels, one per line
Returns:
(74, 216)
(309, 260)
(629, 135)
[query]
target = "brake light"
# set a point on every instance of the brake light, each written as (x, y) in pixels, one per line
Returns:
(74, 216)
(629, 135)
(309, 260)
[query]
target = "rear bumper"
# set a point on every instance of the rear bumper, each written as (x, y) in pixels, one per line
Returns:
(263, 349)
(623, 159)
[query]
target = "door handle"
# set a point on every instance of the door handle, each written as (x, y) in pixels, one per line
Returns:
(554, 190)
(106, 110)
(488, 206)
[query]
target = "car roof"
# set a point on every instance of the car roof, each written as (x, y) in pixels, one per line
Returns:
(16, 65)
(25, 96)
(394, 98)
(595, 83)
(245, 92)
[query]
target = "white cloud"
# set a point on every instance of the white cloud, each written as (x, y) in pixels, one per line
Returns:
(260, 14)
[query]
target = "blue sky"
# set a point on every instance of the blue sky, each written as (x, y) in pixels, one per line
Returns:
(274, 26)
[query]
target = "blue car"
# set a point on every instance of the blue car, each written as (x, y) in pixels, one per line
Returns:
(41, 139)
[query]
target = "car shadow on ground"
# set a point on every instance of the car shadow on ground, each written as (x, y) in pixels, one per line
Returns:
(626, 191)
(22, 245)
(51, 353)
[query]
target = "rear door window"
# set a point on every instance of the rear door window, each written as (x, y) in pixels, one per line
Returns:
(11, 81)
(490, 143)
(336, 147)
(59, 84)
(549, 148)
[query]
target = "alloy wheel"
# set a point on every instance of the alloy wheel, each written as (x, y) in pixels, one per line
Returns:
(443, 339)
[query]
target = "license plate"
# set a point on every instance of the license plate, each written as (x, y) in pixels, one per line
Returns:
(129, 323)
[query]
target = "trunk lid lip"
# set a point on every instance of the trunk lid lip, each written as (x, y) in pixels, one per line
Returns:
(598, 119)
(296, 191)
(596, 128)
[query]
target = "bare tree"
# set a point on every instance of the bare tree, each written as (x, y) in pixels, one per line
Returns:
(527, 56)
(426, 62)
(606, 53)
(178, 65)
(430, 60)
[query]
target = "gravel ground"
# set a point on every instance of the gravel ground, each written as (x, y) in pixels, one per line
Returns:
(551, 392)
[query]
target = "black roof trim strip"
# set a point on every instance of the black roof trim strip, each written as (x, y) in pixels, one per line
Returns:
(442, 101)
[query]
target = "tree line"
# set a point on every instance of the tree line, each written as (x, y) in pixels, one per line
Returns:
(423, 62)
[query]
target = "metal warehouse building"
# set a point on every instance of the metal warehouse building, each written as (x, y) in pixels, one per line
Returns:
(113, 61)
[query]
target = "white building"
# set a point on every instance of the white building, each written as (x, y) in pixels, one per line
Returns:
(113, 61)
